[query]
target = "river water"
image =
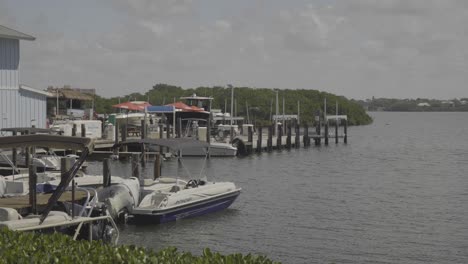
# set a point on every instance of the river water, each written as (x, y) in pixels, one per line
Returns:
(396, 193)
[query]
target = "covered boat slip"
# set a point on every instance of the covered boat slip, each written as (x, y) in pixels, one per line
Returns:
(43, 140)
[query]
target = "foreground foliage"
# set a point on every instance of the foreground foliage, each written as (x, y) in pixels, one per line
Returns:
(17, 247)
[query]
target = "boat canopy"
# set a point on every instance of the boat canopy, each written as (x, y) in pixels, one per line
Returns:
(175, 144)
(50, 141)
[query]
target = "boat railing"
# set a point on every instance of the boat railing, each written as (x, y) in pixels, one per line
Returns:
(82, 218)
(14, 169)
(78, 221)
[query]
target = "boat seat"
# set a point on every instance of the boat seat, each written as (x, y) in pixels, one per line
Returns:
(54, 217)
(7, 214)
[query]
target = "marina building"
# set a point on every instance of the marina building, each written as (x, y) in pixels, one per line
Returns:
(20, 105)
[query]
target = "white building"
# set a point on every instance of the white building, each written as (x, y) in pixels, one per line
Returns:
(20, 106)
(423, 104)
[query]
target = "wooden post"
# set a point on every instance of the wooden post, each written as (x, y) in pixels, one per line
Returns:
(270, 137)
(116, 139)
(66, 164)
(318, 118)
(143, 129)
(27, 157)
(143, 153)
(336, 131)
(136, 167)
(250, 140)
(288, 138)
(179, 127)
(73, 199)
(124, 134)
(208, 130)
(161, 135)
(326, 132)
(345, 132)
(305, 138)
(14, 158)
(74, 130)
(259, 139)
(231, 134)
(297, 141)
(157, 167)
(168, 130)
(106, 173)
(83, 130)
(32, 188)
(280, 137)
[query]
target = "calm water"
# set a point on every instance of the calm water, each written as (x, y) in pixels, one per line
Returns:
(397, 193)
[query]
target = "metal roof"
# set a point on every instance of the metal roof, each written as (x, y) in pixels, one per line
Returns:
(27, 88)
(13, 34)
(70, 94)
(50, 141)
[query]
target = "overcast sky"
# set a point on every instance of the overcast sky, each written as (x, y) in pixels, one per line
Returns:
(355, 48)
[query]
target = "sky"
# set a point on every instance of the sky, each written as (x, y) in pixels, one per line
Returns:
(355, 48)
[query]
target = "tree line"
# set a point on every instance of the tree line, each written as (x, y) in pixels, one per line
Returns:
(259, 101)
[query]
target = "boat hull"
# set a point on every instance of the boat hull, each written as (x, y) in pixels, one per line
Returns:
(201, 207)
(216, 149)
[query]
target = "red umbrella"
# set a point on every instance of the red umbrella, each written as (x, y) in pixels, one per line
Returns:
(133, 105)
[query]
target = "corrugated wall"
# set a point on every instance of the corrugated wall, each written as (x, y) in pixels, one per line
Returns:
(9, 63)
(18, 107)
(22, 108)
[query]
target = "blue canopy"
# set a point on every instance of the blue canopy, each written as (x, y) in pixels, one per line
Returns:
(160, 109)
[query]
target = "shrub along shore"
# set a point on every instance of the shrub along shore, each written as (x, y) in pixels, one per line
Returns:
(22, 247)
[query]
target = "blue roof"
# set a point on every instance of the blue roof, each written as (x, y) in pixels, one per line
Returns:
(160, 109)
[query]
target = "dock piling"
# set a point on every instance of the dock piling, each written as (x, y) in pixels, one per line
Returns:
(74, 130)
(259, 140)
(336, 131)
(270, 138)
(345, 128)
(249, 140)
(157, 167)
(32, 188)
(136, 167)
(326, 132)
(280, 136)
(288, 137)
(106, 173)
(297, 139)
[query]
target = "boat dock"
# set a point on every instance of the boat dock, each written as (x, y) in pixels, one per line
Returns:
(250, 139)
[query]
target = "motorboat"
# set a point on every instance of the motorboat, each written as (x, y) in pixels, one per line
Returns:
(81, 214)
(216, 149)
(171, 198)
(43, 159)
(116, 196)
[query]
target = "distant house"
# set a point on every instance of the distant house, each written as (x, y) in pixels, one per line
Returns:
(463, 102)
(20, 105)
(424, 104)
(448, 103)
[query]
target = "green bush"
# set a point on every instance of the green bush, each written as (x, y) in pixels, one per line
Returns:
(20, 247)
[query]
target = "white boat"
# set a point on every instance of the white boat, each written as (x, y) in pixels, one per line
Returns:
(168, 199)
(114, 200)
(216, 149)
(101, 226)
